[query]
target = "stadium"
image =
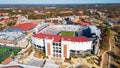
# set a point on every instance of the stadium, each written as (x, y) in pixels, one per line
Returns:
(63, 40)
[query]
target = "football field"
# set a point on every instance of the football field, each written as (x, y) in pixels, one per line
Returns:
(67, 33)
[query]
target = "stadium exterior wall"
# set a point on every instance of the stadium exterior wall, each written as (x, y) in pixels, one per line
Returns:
(77, 46)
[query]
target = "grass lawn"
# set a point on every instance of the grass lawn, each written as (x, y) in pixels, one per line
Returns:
(16, 51)
(67, 33)
(2, 59)
(5, 49)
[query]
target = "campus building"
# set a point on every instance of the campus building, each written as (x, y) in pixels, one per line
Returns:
(15, 35)
(10, 38)
(58, 20)
(55, 44)
(61, 46)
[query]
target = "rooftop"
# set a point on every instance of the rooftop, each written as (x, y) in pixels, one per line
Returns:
(10, 35)
(12, 30)
(6, 61)
(84, 23)
(25, 26)
(14, 66)
(47, 65)
(57, 38)
(66, 11)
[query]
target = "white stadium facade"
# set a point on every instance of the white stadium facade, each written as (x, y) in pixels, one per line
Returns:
(47, 37)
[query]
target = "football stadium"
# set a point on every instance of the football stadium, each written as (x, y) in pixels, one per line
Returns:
(63, 40)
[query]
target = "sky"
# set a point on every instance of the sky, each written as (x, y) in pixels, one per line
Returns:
(57, 1)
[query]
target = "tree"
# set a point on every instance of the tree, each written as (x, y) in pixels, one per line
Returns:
(117, 29)
(107, 31)
(105, 46)
(41, 53)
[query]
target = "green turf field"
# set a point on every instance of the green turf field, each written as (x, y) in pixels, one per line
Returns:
(5, 49)
(63, 33)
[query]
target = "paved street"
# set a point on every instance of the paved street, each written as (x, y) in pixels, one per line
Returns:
(105, 60)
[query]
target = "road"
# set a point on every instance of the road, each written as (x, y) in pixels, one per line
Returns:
(107, 59)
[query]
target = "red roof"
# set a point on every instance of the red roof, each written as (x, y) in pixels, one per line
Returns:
(6, 61)
(81, 12)
(3, 22)
(66, 11)
(2, 12)
(57, 38)
(25, 26)
(84, 23)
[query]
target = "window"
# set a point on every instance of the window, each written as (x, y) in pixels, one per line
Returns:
(43, 48)
(59, 51)
(53, 43)
(72, 51)
(59, 55)
(56, 44)
(56, 55)
(78, 51)
(59, 48)
(56, 47)
(59, 44)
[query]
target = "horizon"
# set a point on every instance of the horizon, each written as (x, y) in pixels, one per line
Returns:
(68, 4)
(59, 2)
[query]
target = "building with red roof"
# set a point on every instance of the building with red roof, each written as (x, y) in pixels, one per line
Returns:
(58, 38)
(66, 11)
(26, 26)
(8, 60)
(81, 12)
(61, 46)
(3, 22)
(4, 13)
(84, 23)
(51, 40)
